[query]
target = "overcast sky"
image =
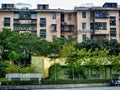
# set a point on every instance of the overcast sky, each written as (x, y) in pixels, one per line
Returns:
(63, 4)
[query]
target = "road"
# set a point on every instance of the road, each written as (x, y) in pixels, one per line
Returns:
(87, 88)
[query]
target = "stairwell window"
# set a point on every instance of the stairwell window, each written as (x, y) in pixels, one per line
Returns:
(83, 25)
(69, 16)
(53, 15)
(83, 14)
(84, 37)
(112, 21)
(6, 21)
(43, 33)
(42, 22)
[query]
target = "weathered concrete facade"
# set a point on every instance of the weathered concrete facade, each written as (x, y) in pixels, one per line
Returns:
(82, 22)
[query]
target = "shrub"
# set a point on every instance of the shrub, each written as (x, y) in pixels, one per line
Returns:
(18, 82)
(82, 81)
(13, 69)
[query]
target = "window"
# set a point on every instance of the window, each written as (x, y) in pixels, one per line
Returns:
(83, 14)
(54, 27)
(112, 29)
(112, 33)
(100, 26)
(84, 37)
(53, 15)
(113, 21)
(43, 33)
(70, 28)
(91, 15)
(43, 22)
(83, 25)
(16, 15)
(33, 15)
(69, 16)
(7, 21)
(62, 17)
(24, 15)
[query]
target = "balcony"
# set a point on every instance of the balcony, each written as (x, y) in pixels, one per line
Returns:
(83, 30)
(34, 29)
(67, 28)
(106, 32)
(100, 28)
(63, 23)
(33, 21)
(25, 25)
(16, 21)
(101, 14)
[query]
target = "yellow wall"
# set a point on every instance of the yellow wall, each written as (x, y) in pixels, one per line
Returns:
(43, 64)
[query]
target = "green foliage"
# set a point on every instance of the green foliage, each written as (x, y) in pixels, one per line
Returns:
(19, 82)
(57, 72)
(112, 46)
(92, 53)
(29, 69)
(13, 55)
(3, 79)
(17, 69)
(81, 81)
(13, 69)
(3, 65)
(66, 51)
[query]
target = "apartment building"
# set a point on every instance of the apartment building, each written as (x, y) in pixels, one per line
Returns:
(82, 22)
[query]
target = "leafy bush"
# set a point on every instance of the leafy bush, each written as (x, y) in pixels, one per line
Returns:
(82, 81)
(18, 82)
(13, 68)
(30, 69)
(17, 69)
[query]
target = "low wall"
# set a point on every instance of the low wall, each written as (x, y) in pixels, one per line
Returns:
(27, 76)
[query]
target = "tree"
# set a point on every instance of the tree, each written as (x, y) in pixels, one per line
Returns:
(74, 63)
(66, 51)
(13, 56)
(57, 72)
(112, 45)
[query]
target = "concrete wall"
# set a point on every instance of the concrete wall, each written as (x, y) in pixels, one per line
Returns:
(49, 22)
(27, 76)
(6, 14)
(43, 64)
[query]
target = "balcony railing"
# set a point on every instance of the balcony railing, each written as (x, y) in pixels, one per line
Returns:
(66, 30)
(27, 25)
(25, 28)
(83, 30)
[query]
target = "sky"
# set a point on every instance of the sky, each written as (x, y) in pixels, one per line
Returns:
(62, 4)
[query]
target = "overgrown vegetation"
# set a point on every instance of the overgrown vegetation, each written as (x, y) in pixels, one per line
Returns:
(82, 81)
(83, 60)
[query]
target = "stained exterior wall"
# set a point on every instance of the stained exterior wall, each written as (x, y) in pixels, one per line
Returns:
(42, 65)
(6, 14)
(69, 27)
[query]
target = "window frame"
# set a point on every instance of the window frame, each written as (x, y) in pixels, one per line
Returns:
(42, 22)
(83, 26)
(54, 15)
(83, 14)
(43, 34)
(6, 22)
(84, 37)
